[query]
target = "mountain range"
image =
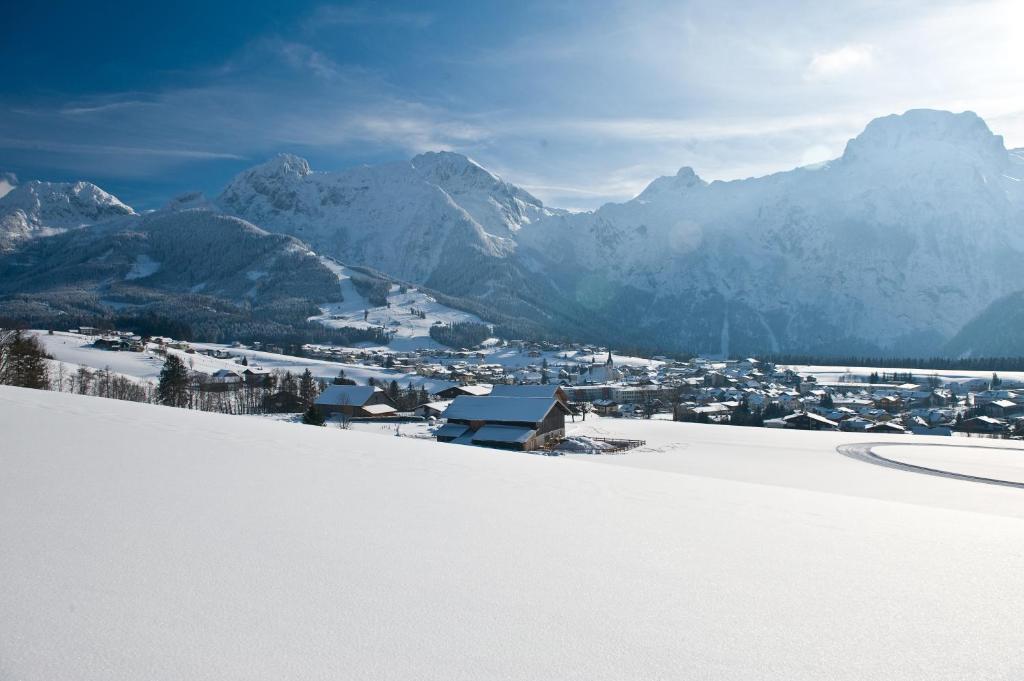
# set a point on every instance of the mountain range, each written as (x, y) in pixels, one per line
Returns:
(910, 243)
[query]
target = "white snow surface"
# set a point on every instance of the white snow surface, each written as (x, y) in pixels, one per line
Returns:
(43, 208)
(989, 461)
(76, 349)
(410, 332)
(144, 542)
(403, 218)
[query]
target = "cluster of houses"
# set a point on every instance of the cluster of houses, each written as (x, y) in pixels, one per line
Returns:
(730, 392)
(742, 392)
(519, 417)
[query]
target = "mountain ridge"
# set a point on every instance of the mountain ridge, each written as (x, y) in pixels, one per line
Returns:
(892, 247)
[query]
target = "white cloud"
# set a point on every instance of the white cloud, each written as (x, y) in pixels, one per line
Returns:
(840, 62)
(8, 181)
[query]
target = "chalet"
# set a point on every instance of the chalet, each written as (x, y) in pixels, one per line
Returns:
(606, 407)
(459, 390)
(364, 401)
(428, 409)
(1002, 408)
(886, 427)
(855, 424)
(983, 425)
(808, 421)
(520, 423)
(257, 376)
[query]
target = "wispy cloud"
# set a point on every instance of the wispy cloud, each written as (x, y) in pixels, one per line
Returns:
(113, 150)
(841, 61)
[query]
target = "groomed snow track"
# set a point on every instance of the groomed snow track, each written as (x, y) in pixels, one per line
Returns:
(864, 451)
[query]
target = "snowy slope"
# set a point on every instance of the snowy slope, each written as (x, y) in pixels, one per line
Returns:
(77, 350)
(44, 208)
(143, 542)
(407, 219)
(399, 316)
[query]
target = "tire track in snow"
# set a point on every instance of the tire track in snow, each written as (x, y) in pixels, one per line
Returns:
(864, 451)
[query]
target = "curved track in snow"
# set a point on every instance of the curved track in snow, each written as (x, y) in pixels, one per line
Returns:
(864, 451)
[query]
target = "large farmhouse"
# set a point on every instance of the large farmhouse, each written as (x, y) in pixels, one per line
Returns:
(365, 401)
(521, 423)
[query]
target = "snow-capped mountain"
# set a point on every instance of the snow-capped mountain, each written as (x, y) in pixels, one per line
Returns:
(44, 208)
(408, 219)
(895, 245)
(189, 252)
(915, 231)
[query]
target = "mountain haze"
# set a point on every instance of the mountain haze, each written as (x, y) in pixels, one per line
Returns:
(896, 247)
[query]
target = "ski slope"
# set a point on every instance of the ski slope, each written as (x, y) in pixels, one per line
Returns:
(143, 542)
(410, 331)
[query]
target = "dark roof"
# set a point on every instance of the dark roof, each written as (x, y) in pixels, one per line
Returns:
(502, 390)
(346, 395)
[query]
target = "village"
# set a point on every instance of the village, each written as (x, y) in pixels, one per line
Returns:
(519, 395)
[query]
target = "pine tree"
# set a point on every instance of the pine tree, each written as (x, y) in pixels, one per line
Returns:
(393, 391)
(307, 388)
(313, 417)
(23, 362)
(173, 387)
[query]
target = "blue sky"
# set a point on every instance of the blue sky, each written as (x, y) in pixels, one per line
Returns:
(579, 102)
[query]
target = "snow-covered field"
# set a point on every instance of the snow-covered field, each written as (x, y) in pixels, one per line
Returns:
(994, 461)
(74, 349)
(410, 331)
(143, 542)
(837, 373)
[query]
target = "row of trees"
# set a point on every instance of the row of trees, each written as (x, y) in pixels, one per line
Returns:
(460, 334)
(938, 363)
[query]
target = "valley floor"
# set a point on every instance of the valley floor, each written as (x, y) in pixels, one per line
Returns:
(143, 542)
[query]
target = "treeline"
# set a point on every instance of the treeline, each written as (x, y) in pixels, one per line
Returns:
(958, 364)
(460, 334)
(188, 317)
(24, 363)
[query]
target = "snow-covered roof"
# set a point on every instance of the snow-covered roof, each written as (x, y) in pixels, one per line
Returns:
(508, 409)
(519, 434)
(451, 430)
(348, 395)
(476, 390)
(379, 409)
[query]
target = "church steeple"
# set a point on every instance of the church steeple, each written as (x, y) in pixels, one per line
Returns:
(609, 362)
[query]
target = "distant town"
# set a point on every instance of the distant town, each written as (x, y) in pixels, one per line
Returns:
(520, 395)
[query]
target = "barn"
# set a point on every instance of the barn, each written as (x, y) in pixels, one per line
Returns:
(503, 422)
(364, 401)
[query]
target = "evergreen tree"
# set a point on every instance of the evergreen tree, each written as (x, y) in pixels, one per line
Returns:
(307, 388)
(173, 387)
(393, 391)
(313, 417)
(23, 361)
(341, 380)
